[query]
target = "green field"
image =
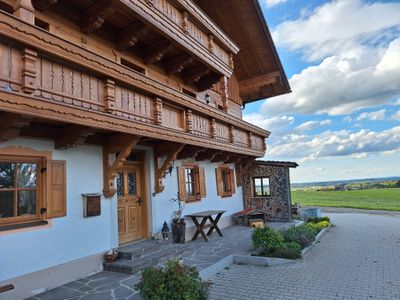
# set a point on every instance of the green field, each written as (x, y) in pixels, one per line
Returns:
(379, 199)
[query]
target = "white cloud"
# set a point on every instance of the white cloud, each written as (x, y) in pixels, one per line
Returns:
(343, 83)
(378, 115)
(396, 116)
(277, 125)
(271, 3)
(335, 27)
(397, 102)
(347, 119)
(310, 125)
(342, 143)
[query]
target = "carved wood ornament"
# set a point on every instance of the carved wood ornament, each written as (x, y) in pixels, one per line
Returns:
(115, 153)
(164, 157)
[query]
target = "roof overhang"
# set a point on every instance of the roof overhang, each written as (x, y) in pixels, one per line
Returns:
(257, 65)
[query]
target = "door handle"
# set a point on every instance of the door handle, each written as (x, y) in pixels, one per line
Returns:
(140, 201)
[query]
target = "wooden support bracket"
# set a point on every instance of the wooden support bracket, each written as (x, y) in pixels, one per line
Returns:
(164, 158)
(242, 167)
(73, 135)
(43, 5)
(96, 15)
(115, 153)
(11, 125)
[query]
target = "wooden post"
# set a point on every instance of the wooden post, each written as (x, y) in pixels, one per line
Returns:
(158, 111)
(29, 70)
(109, 95)
(24, 10)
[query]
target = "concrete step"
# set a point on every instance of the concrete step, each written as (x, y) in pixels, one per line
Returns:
(148, 259)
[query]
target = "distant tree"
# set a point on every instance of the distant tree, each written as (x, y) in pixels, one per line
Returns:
(397, 183)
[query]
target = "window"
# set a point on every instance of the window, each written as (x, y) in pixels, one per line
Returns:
(19, 189)
(22, 189)
(261, 187)
(225, 181)
(191, 180)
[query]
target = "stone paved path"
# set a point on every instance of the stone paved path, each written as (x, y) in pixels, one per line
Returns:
(357, 259)
(110, 285)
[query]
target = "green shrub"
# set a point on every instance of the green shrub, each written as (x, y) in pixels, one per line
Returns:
(285, 253)
(267, 238)
(319, 226)
(304, 235)
(174, 281)
(317, 220)
(293, 246)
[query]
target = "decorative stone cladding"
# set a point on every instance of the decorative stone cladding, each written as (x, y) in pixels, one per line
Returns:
(278, 204)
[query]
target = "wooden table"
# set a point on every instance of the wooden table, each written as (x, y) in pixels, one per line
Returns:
(206, 215)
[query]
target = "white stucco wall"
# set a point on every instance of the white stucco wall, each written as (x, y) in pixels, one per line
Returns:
(163, 208)
(68, 238)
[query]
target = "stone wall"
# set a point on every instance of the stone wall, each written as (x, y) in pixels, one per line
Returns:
(278, 204)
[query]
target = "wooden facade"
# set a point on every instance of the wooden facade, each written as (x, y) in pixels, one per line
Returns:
(124, 73)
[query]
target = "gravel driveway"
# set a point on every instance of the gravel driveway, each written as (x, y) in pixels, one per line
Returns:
(359, 258)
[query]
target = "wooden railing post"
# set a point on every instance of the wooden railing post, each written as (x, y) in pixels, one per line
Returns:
(109, 95)
(158, 111)
(29, 70)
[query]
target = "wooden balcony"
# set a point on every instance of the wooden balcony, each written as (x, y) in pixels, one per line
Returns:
(45, 76)
(183, 22)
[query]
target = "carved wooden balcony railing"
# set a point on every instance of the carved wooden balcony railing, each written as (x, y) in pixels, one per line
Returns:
(46, 76)
(187, 25)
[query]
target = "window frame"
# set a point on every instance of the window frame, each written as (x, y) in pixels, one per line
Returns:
(229, 181)
(262, 186)
(40, 191)
(196, 183)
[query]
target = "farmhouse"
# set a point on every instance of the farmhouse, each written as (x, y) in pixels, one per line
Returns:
(111, 108)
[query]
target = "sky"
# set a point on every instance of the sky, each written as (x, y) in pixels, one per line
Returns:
(342, 59)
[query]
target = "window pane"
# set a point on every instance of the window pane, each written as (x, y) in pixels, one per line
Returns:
(257, 187)
(225, 181)
(132, 183)
(265, 183)
(189, 182)
(120, 180)
(26, 175)
(7, 175)
(26, 203)
(6, 204)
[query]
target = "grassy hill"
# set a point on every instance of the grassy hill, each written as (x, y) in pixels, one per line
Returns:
(378, 199)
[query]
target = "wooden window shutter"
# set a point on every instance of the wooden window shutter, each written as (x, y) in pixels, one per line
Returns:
(56, 189)
(182, 184)
(218, 175)
(202, 180)
(232, 175)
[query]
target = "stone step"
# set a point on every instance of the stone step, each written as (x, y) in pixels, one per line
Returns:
(132, 266)
(141, 249)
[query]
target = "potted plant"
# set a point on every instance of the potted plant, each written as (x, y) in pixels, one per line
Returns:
(111, 255)
(178, 223)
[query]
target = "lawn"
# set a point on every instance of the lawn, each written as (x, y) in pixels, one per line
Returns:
(380, 199)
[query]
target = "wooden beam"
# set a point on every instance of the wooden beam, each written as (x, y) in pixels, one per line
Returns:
(11, 125)
(221, 157)
(190, 152)
(95, 16)
(206, 82)
(43, 5)
(194, 74)
(177, 63)
(156, 52)
(73, 135)
(259, 81)
(115, 153)
(130, 35)
(242, 167)
(6, 288)
(164, 157)
(209, 154)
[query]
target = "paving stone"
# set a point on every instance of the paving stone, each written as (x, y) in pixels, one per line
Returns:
(122, 292)
(98, 296)
(76, 285)
(357, 259)
(59, 293)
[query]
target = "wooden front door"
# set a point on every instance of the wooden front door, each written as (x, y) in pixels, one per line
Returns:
(131, 212)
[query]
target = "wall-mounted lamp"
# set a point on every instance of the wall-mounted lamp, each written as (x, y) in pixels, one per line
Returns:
(208, 98)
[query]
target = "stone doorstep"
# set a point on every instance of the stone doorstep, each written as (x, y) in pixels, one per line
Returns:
(132, 266)
(254, 260)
